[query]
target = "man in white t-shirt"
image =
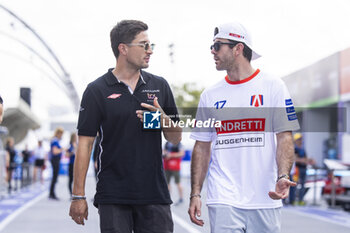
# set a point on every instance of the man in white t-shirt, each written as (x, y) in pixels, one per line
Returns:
(40, 157)
(252, 152)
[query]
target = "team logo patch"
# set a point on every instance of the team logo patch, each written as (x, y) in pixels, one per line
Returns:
(256, 100)
(114, 96)
(151, 120)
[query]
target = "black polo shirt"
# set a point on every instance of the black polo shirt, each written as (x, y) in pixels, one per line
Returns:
(131, 168)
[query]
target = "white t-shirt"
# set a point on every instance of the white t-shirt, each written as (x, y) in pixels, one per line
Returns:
(243, 166)
(39, 153)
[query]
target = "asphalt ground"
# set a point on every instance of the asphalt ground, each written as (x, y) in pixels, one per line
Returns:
(30, 211)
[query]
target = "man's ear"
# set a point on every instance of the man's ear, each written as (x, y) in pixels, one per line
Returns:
(239, 49)
(123, 49)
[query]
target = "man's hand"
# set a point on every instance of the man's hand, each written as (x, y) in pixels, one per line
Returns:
(153, 108)
(171, 133)
(79, 211)
(195, 210)
(282, 189)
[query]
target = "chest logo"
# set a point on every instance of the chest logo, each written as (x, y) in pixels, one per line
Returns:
(151, 96)
(256, 100)
(114, 96)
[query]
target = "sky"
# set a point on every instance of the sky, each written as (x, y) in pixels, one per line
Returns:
(289, 34)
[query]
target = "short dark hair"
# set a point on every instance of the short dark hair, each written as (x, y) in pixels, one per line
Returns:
(1, 101)
(125, 32)
(247, 52)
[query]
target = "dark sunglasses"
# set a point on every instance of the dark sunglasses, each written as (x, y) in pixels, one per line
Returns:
(216, 46)
(146, 46)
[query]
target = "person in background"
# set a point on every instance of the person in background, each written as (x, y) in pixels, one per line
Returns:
(301, 163)
(3, 156)
(71, 154)
(26, 155)
(55, 158)
(1, 109)
(39, 163)
(11, 163)
(172, 165)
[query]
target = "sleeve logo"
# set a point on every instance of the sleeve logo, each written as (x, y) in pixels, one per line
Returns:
(289, 102)
(292, 117)
(290, 109)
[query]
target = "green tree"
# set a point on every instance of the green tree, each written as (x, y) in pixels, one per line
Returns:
(187, 97)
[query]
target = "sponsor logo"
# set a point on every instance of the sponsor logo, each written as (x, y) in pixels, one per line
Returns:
(114, 96)
(292, 117)
(240, 140)
(151, 91)
(256, 100)
(289, 102)
(236, 35)
(81, 109)
(151, 120)
(151, 96)
(241, 125)
(290, 109)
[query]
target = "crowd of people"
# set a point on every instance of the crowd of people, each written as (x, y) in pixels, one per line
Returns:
(25, 167)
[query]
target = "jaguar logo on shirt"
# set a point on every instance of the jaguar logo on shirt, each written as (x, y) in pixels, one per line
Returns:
(151, 91)
(256, 100)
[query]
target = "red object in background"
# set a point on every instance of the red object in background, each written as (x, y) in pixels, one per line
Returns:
(327, 189)
(172, 164)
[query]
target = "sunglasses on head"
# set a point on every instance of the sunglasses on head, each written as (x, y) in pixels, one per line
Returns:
(216, 46)
(146, 45)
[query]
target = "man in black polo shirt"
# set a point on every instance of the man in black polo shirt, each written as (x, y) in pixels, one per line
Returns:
(131, 193)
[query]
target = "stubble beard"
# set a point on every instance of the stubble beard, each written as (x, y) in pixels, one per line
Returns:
(221, 66)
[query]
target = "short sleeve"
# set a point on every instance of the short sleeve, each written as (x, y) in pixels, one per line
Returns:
(284, 114)
(203, 113)
(56, 144)
(89, 115)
